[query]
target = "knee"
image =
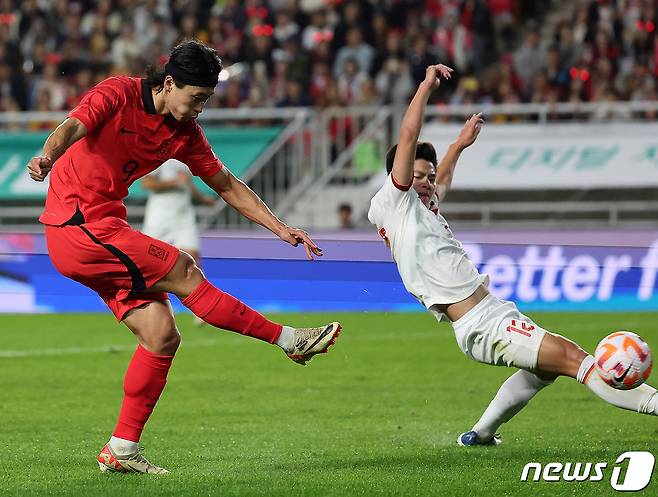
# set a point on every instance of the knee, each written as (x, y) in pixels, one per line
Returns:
(183, 278)
(189, 269)
(169, 337)
(164, 338)
(170, 341)
(191, 274)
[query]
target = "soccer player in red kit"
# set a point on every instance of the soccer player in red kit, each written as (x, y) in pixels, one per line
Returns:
(123, 129)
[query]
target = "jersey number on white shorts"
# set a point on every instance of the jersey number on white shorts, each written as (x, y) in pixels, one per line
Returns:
(525, 329)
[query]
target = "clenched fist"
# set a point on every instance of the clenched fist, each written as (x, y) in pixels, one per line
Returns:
(39, 167)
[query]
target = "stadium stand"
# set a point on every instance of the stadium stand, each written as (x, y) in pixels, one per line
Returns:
(53, 51)
(343, 69)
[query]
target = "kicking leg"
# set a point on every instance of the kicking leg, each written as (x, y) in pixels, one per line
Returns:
(564, 357)
(222, 310)
(154, 326)
(642, 399)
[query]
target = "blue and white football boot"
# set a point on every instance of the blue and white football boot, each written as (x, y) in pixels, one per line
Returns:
(470, 438)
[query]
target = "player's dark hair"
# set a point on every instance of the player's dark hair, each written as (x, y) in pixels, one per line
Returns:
(424, 150)
(155, 79)
(191, 58)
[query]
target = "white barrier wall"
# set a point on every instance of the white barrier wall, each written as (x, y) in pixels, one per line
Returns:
(536, 156)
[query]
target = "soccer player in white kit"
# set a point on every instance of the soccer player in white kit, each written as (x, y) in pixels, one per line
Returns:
(436, 270)
(169, 212)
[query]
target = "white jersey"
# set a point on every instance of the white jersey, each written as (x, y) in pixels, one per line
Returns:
(432, 263)
(170, 215)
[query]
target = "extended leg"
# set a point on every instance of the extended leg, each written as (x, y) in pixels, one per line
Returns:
(642, 399)
(512, 396)
(222, 310)
(564, 357)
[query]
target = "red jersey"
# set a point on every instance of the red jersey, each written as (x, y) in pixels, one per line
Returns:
(125, 140)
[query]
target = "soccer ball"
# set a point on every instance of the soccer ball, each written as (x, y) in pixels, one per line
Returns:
(623, 360)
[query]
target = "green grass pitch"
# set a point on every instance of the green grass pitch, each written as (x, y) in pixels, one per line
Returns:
(378, 415)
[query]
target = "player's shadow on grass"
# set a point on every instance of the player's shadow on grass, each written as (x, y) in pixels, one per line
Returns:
(459, 457)
(392, 463)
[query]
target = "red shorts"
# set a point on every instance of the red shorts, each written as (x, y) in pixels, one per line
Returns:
(112, 259)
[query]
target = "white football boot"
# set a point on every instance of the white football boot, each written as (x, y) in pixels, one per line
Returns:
(311, 341)
(131, 463)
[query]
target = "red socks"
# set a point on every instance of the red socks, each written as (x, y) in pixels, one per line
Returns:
(147, 372)
(145, 378)
(225, 311)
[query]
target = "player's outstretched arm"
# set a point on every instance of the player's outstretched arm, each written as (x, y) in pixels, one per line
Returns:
(155, 184)
(200, 197)
(243, 199)
(446, 168)
(65, 135)
(403, 164)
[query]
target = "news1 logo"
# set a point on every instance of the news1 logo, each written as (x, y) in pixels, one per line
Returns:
(638, 468)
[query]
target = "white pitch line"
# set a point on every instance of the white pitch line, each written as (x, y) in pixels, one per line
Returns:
(14, 354)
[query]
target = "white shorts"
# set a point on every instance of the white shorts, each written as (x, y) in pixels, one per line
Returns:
(495, 332)
(178, 229)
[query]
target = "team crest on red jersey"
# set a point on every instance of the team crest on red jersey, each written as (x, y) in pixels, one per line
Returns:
(158, 252)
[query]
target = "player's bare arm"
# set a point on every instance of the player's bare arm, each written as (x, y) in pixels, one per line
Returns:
(199, 196)
(243, 199)
(162, 185)
(403, 165)
(65, 135)
(446, 168)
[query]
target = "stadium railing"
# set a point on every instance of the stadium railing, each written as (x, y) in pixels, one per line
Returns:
(342, 149)
(347, 179)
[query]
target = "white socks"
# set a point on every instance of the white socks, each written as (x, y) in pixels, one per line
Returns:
(642, 399)
(522, 386)
(512, 396)
(123, 447)
(586, 369)
(286, 339)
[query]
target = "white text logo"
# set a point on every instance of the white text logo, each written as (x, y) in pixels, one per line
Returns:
(632, 471)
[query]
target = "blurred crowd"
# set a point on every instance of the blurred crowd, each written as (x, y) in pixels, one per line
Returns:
(598, 51)
(336, 52)
(278, 52)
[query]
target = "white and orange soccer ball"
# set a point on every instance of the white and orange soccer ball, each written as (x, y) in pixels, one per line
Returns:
(623, 360)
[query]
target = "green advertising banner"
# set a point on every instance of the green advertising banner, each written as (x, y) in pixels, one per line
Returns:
(238, 148)
(537, 157)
